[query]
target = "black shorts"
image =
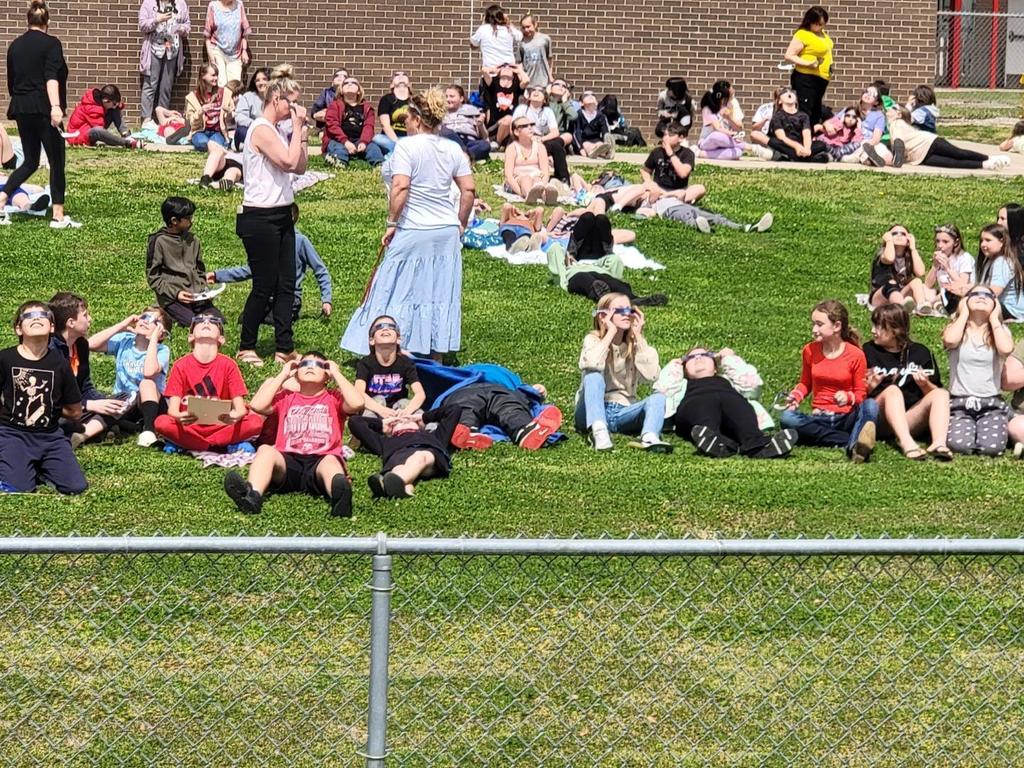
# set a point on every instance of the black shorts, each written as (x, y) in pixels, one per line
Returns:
(442, 464)
(229, 163)
(300, 476)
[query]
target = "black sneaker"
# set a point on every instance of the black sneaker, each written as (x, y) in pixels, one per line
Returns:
(177, 136)
(599, 288)
(239, 491)
(899, 152)
(341, 496)
(205, 181)
(710, 443)
(781, 444)
(654, 300)
(376, 483)
(394, 486)
(872, 154)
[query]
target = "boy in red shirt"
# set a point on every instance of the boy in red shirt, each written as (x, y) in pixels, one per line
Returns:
(306, 454)
(206, 373)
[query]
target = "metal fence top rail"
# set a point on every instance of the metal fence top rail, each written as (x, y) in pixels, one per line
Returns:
(382, 544)
(983, 14)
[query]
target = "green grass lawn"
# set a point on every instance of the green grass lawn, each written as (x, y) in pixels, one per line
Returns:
(750, 292)
(553, 661)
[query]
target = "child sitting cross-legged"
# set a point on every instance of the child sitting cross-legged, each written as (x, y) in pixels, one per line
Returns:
(141, 363)
(36, 389)
(306, 454)
(386, 375)
(409, 449)
(205, 373)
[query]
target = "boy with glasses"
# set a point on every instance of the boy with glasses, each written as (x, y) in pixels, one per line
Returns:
(205, 373)
(37, 388)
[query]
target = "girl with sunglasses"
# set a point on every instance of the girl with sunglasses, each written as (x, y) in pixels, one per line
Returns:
(717, 419)
(615, 358)
(1000, 269)
(526, 165)
(978, 344)
(833, 375)
(904, 379)
(385, 376)
(897, 270)
(951, 275)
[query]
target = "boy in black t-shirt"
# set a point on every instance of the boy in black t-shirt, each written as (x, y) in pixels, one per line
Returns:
(385, 375)
(666, 172)
(36, 389)
(789, 133)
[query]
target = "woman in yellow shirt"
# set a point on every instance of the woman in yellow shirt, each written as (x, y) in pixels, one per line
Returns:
(810, 53)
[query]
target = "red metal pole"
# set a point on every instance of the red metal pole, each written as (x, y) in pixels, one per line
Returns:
(954, 46)
(995, 45)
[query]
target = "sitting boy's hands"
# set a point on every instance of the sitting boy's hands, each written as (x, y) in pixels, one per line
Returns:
(185, 297)
(106, 407)
(211, 278)
(232, 416)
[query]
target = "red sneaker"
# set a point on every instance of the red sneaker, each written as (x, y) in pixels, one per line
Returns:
(466, 439)
(535, 434)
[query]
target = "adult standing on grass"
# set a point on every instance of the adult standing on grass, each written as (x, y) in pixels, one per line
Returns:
(419, 281)
(37, 78)
(265, 223)
(810, 53)
(164, 24)
(227, 39)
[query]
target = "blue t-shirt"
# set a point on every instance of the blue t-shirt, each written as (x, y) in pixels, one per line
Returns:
(129, 363)
(1002, 277)
(872, 120)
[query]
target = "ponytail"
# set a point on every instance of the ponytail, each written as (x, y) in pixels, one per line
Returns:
(38, 14)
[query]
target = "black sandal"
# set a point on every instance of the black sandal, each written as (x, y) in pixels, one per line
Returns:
(941, 453)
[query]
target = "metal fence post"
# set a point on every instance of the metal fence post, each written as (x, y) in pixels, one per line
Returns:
(380, 625)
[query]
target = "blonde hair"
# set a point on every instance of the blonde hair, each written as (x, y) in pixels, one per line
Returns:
(598, 330)
(281, 82)
(430, 107)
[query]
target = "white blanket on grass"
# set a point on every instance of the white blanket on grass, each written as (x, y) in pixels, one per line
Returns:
(631, 257)
(32, 197)
(499, 190)
(300, 181)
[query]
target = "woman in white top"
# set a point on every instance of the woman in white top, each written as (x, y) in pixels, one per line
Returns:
(419, 280)
(496, 38)
(265, 221)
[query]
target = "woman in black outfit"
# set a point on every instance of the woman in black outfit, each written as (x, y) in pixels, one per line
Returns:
(37, 77)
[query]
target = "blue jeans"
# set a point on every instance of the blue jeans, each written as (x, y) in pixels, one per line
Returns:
(830, 429)
(200, 139)
(240, 132)
(384, 141)
(374, 155)
(647, 415)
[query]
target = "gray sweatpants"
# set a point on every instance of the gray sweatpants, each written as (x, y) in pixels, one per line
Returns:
(978, 425)
(687, 214)
(157, 85)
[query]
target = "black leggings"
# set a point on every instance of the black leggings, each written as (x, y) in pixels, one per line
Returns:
(268, 235)
(594, 285)
(556, 151)
(724, 410)
(942, 154)
(591, 238)
(36, 133)
(817, 148)
(810, 91)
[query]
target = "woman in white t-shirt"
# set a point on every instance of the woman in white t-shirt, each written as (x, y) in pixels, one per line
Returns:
(496, 39)
(419, 280)
(265, 221)
(951, 275)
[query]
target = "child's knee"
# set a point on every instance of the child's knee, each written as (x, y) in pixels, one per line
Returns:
(74, 488)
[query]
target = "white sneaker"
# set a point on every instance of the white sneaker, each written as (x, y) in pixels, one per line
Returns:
(996, 161)
(765, 222)
(66, 223)
(654, 444)
(146, 439)
(762, 152)
(600, 438)
(149, 125)
(5, 219)
(1018, 450)
(703, 225)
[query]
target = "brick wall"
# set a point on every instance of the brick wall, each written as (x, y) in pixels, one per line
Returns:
(626, 48)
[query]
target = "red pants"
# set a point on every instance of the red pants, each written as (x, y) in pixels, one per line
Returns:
(203, 437)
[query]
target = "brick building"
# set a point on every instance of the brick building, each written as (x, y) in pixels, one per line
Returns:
(626, 48)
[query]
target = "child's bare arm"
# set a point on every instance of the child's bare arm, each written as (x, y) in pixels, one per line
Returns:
(354, 401)
(263, 400)
(98, 341)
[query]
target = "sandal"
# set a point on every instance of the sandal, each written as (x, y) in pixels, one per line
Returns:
(249, 357)
(916, 454)
(281, 358)
(940, 453)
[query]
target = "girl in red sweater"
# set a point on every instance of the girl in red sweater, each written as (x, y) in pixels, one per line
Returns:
(99, 109)
(833, 374)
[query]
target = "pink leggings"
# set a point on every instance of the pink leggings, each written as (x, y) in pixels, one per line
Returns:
(720, 146)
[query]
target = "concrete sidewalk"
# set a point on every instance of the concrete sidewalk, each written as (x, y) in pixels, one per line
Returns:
(751, 163)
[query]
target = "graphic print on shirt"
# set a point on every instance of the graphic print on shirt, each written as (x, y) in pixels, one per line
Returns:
(307, 428)
(205, 388)
(33, 396)
(385, 384)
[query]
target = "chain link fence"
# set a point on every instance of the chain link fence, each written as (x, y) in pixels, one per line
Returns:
(441, 652)
(979, 62)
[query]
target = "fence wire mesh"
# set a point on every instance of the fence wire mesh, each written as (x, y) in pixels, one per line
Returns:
(514, 659)
(979, 62)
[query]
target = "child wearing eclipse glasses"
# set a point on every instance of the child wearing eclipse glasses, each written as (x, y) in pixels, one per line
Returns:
(386, 375)
(615, 358)
(305, 456)
(204, 372)
(37, 388)
(141, 361)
